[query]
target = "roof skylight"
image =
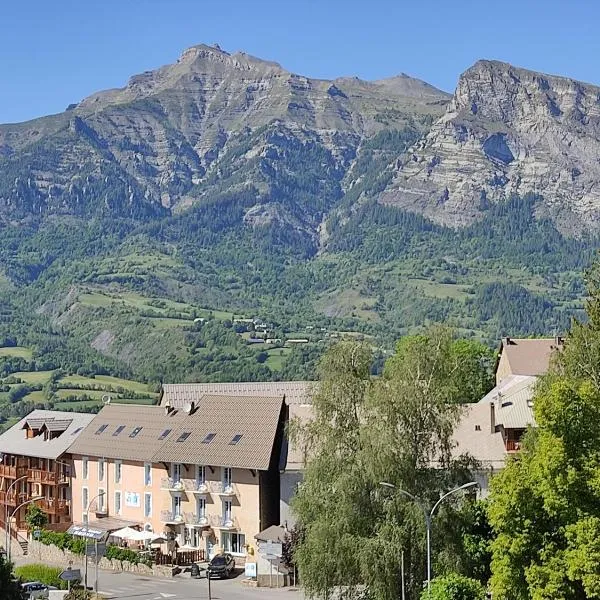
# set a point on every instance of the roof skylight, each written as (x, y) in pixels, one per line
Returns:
(77, 431)
(119, 429)
(184, 436)
(101, 429)
(209, 438)
(236, 439)
(164, 434)
(135, 431)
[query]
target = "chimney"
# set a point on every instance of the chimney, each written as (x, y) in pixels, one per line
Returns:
(558, 341)
(492, 417)
(506, 341)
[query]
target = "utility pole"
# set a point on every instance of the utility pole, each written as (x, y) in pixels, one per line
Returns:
(96, 561)
(402, 575)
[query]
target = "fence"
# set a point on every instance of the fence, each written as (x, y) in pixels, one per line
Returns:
(182, 558)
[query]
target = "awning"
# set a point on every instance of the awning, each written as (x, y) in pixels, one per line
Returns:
(106, 526)
(87, 532)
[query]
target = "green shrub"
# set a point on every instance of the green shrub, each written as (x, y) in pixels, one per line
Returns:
(42, 573)
(454, 587)
(118, 553)
(64, 541)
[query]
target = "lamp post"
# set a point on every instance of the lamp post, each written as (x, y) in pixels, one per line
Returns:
(86, 516)
(12, 515)
(428, 514)
(6, 507)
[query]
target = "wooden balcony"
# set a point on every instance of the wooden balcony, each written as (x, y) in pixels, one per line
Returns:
(513, 445)
(13, 472)
(54, 507)
(46, 477)
(12, 498)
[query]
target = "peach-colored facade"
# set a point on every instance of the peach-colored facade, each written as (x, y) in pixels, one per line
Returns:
(206, 507)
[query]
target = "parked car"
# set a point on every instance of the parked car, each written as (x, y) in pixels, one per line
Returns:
(221, 565)
(35, 590)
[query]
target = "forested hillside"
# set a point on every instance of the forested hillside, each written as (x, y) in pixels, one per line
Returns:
(201, 225)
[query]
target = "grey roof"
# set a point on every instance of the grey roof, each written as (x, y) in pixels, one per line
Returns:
(513, 401)
(180, 394)
(254, 418)
(14, 441)
(274, 533)
(57, 424)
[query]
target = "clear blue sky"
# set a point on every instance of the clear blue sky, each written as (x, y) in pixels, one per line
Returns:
(54, 52)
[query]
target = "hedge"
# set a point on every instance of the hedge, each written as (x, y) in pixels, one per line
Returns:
(41, 573)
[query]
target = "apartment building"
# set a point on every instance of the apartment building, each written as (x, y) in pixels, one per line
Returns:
(205, 474)
(35, 463)
(298, 399)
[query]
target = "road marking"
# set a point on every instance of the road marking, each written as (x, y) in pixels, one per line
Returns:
(163, 595)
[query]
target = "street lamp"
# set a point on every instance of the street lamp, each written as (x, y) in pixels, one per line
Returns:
(86, 516)
(12, 515)
(428, 514)
(6, 505)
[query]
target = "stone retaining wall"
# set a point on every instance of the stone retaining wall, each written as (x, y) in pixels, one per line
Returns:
(55, 556)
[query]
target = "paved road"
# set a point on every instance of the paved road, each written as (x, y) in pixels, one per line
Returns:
(128, 586)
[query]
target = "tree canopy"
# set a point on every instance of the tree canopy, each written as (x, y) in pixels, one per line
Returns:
(395, 428)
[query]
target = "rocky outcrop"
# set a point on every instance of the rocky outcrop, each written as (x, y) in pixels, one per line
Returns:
(507, 131)
(164, 139)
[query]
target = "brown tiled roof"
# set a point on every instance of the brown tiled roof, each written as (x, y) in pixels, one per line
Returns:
(180, 394)
(529, 356)
(254, 418)
(152, 419)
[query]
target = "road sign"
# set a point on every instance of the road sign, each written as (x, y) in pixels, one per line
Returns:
(271, 548)
(70, 575)
(91, 549)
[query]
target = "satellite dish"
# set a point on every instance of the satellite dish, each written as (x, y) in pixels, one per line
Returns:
(106, 399)
(189, 408)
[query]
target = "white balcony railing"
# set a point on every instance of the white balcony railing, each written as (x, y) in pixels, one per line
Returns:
(200, 520)
(226, 521)
(173, 485)
(169, 516)
(223, 489)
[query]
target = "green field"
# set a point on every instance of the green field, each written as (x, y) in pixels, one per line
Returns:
(276, 358)
(16, 351)
(105, 380)
(33, 377)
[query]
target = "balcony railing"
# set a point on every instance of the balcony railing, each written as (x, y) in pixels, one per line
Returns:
(12, 498)
(169, 516)
(173, 485)
(54, 507)
(47, 477)
(13, 472)
(199, 487)
(224, 489)
(513, 445)
(201, 520)
(226, 521)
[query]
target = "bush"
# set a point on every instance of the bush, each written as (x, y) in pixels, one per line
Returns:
(118, 553)
(454, 587)
(64, 541)
(78, 593)
(41, 573)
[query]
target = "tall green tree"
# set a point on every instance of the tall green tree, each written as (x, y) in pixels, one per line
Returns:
(545, 505)
(397, 429)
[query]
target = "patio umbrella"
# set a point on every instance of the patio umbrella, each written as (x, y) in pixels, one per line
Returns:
(142, 536)
(126, 533)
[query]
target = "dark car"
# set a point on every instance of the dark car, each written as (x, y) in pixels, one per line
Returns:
(221, 565)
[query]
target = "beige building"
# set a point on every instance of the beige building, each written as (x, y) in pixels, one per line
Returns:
(205, 474)
(525, 356)
(298, 399)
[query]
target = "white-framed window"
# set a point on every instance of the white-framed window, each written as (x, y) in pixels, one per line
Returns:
(194, 535)
(117, 503)
(200, 474)
(233, 542)
(226, 477)
(201, 507)
(118, 466)
(147, 473)
(176, 505)
(227, 507)
(101, 500)
(101, 463)
(85, 498)
(147, 504)
(84, 467)
(176, 472)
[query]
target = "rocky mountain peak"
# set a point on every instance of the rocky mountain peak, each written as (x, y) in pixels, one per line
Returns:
(507, 131)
